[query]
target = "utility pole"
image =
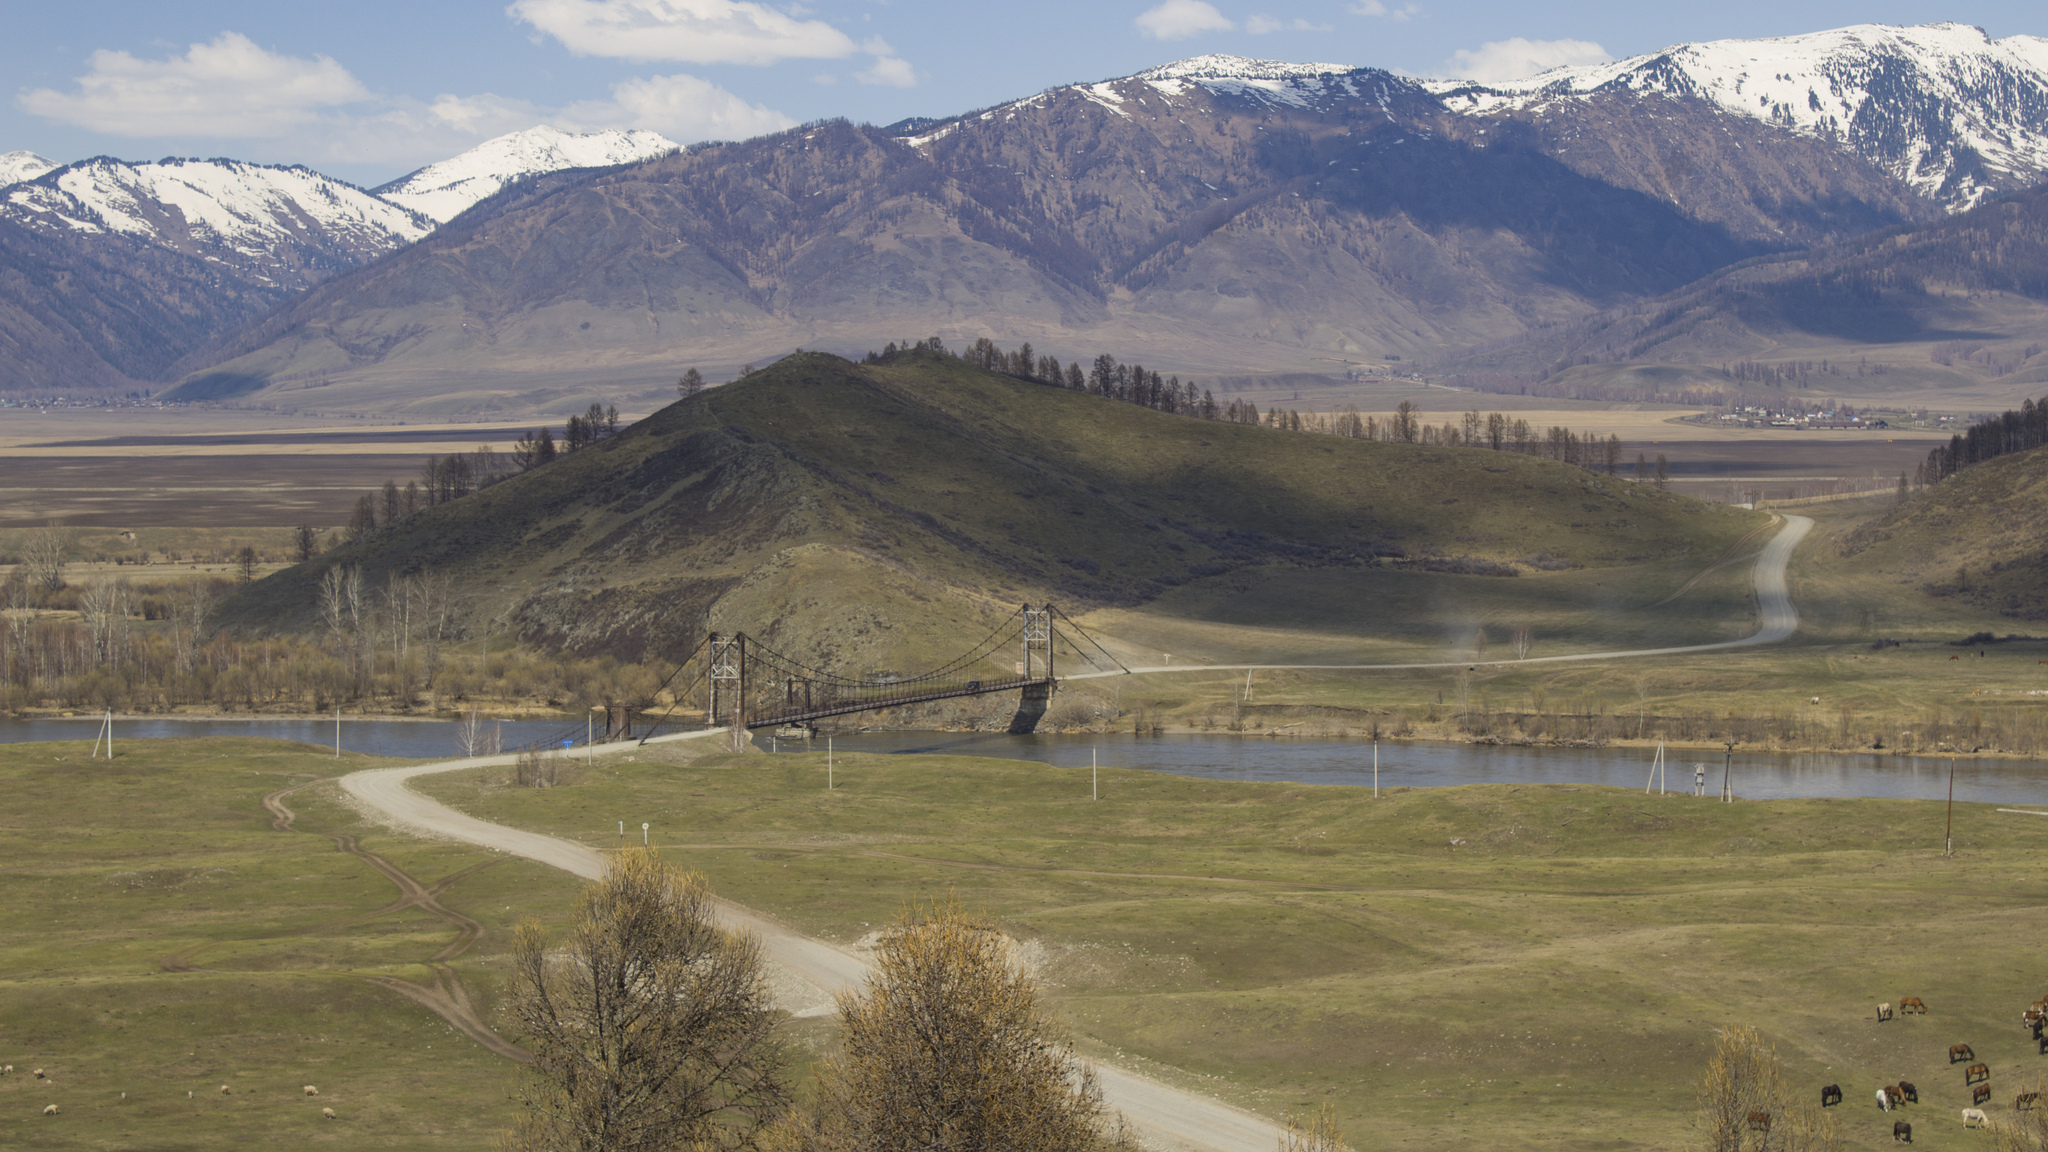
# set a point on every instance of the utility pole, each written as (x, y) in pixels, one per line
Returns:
(1375, 769)
(1949, 835)
(1094, 777)
(1727, 766)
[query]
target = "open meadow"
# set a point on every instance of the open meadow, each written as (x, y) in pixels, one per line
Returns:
(1543, 965)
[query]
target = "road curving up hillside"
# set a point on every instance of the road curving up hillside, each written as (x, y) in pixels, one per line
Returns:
(1168, 1116)
(1779, 619)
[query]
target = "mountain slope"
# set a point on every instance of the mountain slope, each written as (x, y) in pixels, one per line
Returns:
(1217, 215)
(110, 272)
(1974, 286)
(19, 166)
(1943, 108)
(444, 190)
(1972, 540)
(869, 514)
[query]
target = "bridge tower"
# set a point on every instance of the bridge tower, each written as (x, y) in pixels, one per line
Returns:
(1037, 641)
(729, 684)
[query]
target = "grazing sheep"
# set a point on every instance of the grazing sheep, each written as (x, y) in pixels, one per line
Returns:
(1975, 1118)
(312, 1091)
(1884, 1101)
(49, 1109)
(327, 1112)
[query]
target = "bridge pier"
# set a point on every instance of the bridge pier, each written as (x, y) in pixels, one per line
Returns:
(1031, 706)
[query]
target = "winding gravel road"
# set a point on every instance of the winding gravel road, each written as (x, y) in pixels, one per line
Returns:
(1774, 602)
(1168, 1117)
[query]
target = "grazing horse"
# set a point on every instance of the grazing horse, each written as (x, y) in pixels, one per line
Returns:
(1910, 1093)
(1976, 1072)
(1955, 657)
(1897, 1094)
(1980, 1094)
(1832, 1094)
(2025, 1101)
(1902, 1131)
(1760, 1122)
(1975, 1118)
(1884, 1101)
(1913, 1004)
(1884, 1012)
(2042, 1039)
(1960, 1052)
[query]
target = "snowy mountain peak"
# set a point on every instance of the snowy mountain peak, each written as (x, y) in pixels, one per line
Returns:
(446, 189)
(18, 166)
(285, 225)
(1216, 66)
(1944, 107)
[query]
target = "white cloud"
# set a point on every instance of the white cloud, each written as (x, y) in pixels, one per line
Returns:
(681, 107)
(1180, 19)
(889, 71)
(230, 88)
(1375, 8)
(1501, 60)
(1260, 25)
(691, 31)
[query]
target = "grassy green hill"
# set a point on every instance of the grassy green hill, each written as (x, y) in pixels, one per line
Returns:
(1973, 541)
(876, 514)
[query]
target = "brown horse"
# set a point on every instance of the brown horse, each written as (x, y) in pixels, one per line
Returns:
(2025, 1101)
(1960, 1052)
(1980, 1094)
(1760, 1122)
(1908, 1092)
(1832, 1094)
(1913, 1004)
(1902, 1131)
(1976, 1072)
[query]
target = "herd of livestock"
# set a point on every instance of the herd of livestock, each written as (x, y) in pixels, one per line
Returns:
(1976, 1075)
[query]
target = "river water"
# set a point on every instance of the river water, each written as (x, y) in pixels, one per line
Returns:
(1758, 775)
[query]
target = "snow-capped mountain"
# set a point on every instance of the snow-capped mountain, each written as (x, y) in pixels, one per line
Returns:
(19, 166)
(283, 227)
(444, 190)
(1943, 107)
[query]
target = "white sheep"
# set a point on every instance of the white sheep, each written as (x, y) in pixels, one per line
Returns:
(327, 1112)
(1975, 1118)
(224, 1090)
(1884, 1101)
(312, 1091)
(49, 1109)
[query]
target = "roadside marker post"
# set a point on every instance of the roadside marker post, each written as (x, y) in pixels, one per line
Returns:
(1948, 834)
(1094, 777)
(1375, 769)
(643, 835)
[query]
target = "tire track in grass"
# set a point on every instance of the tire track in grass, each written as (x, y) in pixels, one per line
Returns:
(445, 997)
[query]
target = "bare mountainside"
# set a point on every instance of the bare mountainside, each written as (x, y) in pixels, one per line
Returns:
(1294, 220)
(871, 515)
(1957, 308)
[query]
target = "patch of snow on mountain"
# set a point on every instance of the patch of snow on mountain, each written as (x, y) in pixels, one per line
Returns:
(446, 189)
(1934, 105)
(18, 166)
(1217, 66)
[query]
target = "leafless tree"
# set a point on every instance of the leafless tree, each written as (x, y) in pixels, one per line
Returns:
(1407, 427)
(1473, 426)
(1316, 1134)
(1742, 1080)
(43, 555)
(1663, 470)
(1496, 430)
(470, 734)
(1521, 640)
(651, 1030)
(429, 618)
(949, 1046)
(341, 610)
(104, 608)
(190, 602)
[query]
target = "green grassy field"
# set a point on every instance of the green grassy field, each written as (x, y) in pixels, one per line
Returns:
(1542, 964)
(159, 937)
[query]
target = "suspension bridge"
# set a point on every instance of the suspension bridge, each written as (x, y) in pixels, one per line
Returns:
(735, 681)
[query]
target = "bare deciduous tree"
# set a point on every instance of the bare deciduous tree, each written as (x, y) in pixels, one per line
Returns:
(43, 555)
(949, 1046)
(652, 1030)
(1521, 640)
(1316, 1134)
(1742, 1080)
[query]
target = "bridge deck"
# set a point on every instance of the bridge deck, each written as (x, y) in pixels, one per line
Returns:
(842, 708)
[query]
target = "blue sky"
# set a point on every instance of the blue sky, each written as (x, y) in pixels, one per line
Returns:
(372, 89)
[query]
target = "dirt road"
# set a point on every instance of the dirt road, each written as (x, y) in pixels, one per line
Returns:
(1774, 603)
(1168, 1117)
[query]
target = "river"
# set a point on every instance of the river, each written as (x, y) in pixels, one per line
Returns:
(1756, 775)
